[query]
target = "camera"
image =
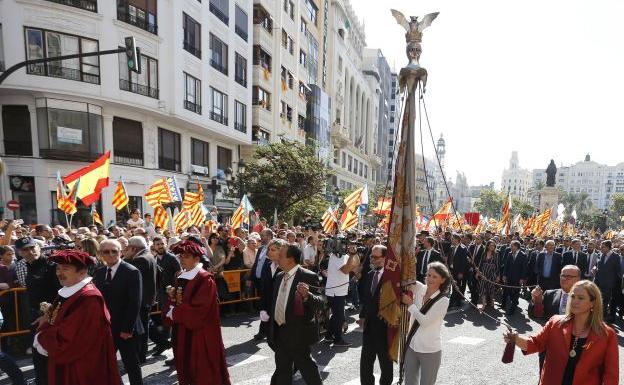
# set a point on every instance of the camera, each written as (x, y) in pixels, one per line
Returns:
(60, 243)
(336, 245)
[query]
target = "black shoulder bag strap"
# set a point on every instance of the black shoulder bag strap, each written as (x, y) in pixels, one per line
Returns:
(426, 307)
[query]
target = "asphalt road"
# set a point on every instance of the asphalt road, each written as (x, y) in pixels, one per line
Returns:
(472, 350)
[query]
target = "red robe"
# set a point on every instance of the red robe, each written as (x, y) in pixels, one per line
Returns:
(80, 343)
(199, 351)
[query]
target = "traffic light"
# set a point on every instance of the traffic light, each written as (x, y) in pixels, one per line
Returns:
(132, 54)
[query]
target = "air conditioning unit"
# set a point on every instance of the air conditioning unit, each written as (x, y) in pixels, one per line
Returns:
(201, 170)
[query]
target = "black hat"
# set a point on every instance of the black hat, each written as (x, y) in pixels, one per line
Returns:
(25, 242)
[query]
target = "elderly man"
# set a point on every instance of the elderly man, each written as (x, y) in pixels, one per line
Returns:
(607, 277)
(548, 267)
(74, 331)
(260, 264)
(576, 256)
(138, 254)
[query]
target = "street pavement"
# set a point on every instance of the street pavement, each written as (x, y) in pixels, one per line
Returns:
(472, 348)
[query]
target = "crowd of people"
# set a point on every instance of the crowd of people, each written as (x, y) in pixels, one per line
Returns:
(142, 283)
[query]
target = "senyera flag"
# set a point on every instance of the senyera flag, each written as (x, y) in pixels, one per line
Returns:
(93, 179)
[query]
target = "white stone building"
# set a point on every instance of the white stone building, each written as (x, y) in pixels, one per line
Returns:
(186, 115)
(354, 87)
(516, 180)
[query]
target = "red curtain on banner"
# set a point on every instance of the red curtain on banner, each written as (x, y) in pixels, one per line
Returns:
(472, 218)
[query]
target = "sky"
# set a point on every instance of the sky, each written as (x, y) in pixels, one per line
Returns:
(544, 78)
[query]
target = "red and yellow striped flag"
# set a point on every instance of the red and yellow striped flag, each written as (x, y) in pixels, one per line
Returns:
(182, 220)
(158, 193)
(354, 199)
(193, 198)
(329, 221)
(68, 204)
(161, 217)
(237, 218)
(349, 219)
(96, 217)
(197, 215)
(93, 177)
(120, 197)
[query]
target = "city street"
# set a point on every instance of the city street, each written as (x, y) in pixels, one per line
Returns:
(472, 350)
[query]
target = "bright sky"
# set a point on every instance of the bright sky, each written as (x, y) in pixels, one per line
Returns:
(545, 78)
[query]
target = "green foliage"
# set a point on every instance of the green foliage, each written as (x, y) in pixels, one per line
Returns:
(573, 201)
(283, 176)
(525, 209)
(490, 203)
(617, 210)
(316, 205)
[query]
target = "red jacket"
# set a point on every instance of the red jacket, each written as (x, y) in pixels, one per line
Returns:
(598, 364)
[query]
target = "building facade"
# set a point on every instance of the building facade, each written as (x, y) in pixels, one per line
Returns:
(187, 114)
(600, 182)
(354, 89)
(516, 180)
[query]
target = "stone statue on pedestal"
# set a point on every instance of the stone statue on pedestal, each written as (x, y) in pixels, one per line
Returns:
(551, 173)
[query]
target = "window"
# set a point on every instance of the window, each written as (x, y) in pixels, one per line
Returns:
(219, 107)
(192, 93)
(199, 152)
(127, 142)
(192, 35)
(303, 89)
(301, 122)
(2, 67)
(303, 26)
(263, 18)
(361, 169)
(284, 39)
(224, 158)
(140, 13)
(219, 54)
(168, 150)
(339, 63)
(69, 130)
(240, 69)
(261, 58)
(16, 127)
(260, 136)
(240, 22)
(240, 116)
(289, 113)
(336, 156)
(288, 80)
(344, 160)
(291, 46)
(121, 216)
(289, 8)
(87, 5)
(312, 10)
(302, 58)
(260, 97)
(355, 166)
(41, 44)
(349, 166)
(366, 171)
(145, 83)
(220, 8)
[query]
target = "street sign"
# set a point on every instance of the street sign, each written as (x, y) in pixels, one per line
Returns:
(13, 205)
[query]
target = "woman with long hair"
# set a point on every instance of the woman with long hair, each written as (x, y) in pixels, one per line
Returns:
(427, 308)
(580, 348)
(487, 275)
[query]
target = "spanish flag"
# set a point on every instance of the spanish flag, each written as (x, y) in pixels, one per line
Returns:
(93, 179)
(120, 197)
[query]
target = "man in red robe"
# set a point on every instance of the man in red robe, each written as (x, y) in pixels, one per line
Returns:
(193, 312)
(74, 332)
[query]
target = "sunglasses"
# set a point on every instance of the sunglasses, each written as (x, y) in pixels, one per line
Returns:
(109, 252)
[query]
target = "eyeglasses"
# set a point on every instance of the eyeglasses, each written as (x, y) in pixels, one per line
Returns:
(377, 256)
(566, 276)
(109, 252)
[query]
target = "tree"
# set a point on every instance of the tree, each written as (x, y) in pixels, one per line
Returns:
(281, 176)
(572, 201)
(525, 209)
(490, 203)
(617, 209)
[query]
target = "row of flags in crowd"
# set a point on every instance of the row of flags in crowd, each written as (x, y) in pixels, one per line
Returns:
(87, 184)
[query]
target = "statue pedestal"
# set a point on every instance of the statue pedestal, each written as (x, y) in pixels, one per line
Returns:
(549, 198)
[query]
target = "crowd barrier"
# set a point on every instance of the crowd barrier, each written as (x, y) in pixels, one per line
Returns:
(17, 318)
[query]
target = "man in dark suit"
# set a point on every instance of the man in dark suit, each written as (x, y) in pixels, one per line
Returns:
(120, 284)
(607, 276)
(576, 256)
(593, 255)
(169, 269)
(475, 253)
(555, 301)
(425, 257)
(549, 264)
(565, 247)
(260, 265)
(375, 335)
(138, 255)
(458, 264)
(269, 272)
(292, 327)
(514, 274)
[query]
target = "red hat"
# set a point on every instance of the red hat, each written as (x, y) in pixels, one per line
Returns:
(188, 247)
(77, 258)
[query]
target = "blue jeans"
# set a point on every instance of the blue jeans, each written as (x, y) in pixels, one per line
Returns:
(9, 366)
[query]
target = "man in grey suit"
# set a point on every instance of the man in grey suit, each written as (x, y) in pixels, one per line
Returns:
(607, 276)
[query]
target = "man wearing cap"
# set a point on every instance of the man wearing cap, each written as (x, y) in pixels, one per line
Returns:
(74, 332)
(193, 310)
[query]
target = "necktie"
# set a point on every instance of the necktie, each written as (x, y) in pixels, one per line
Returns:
(109, 275)
(375, 283)
(425, 262)
(563, 303)
(575, 258)
(280, 306)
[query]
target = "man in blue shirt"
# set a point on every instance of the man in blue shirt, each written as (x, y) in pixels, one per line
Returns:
(549, 265)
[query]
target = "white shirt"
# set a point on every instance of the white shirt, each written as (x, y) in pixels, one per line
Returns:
(114, 268)
(290, 276)
(309, 253)
(131, 223)
(337, 282)
(65, 292)
(427, 337)
(274, 267)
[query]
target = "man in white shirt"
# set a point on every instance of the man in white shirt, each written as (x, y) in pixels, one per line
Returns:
(309, 253)
(336, 290)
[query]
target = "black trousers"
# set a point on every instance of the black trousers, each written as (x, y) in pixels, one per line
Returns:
(511, 296)
(337, 305)
(40, 364)
(130, 358)
(159, 332)
(473, 285)
(287, 357)
(370, 351)
(142, 339)
(456, 296)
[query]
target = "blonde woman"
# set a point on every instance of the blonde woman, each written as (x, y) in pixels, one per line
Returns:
(580, 348)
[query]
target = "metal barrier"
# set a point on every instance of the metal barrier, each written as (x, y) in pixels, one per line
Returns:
(234, 280)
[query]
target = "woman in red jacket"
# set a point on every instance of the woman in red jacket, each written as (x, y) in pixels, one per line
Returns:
(580, 348)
